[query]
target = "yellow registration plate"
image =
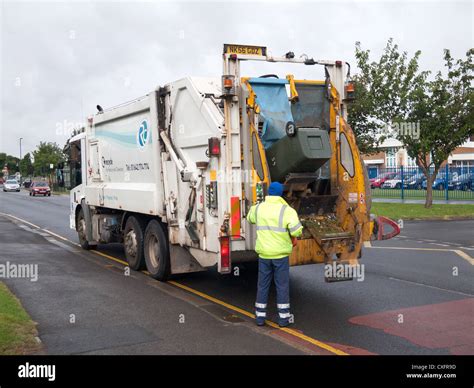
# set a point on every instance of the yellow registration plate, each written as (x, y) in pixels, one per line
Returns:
(245, 50)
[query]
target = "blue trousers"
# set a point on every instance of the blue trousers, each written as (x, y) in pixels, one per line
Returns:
(279, 270)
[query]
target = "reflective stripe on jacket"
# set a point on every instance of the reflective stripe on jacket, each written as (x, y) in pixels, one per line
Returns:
(276, 223)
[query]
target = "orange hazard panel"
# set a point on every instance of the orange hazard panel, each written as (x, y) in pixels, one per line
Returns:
(235, 216)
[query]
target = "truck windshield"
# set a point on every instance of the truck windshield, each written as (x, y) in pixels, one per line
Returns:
(72, 172)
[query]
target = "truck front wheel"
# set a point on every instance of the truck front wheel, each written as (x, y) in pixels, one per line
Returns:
(156, 251)
(133, 243)
(81, 231)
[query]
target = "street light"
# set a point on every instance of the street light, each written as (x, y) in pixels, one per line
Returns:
(19, 163)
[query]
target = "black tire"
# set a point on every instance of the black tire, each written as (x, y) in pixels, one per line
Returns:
(398, 186)
(49, 194)
(34, 194)
(30, 193)
(133, 243)
(156, 251)
(81, 231)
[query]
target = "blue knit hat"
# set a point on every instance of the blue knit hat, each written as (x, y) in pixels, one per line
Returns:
(276, 188)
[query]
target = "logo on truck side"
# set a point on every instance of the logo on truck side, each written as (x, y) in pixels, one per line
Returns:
(143, 134)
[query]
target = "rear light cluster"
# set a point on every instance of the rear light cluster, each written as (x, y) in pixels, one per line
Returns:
(214, 146)
(225, 266)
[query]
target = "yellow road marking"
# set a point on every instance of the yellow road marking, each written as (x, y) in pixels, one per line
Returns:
(109, 257)
(295, 333)
(462, 254)
(465, 256)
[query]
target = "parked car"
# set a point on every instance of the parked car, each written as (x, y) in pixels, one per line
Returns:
(462, 182)
(11, 185)
(396, 181)
(438, 184)
(415, 182)
(40, 188)
(27, 183)
(380, 180)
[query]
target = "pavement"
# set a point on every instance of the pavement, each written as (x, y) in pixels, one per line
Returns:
(416, 297)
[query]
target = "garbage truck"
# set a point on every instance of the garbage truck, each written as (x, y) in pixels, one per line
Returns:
(173, 174)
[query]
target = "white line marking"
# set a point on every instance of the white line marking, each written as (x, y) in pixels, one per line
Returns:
(47, 232)
(61, 237)
(440, 245)
(462, 254)
(60, 244)
(429, 286)
(22, 220)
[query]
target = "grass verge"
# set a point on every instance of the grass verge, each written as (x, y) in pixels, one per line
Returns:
(17, 331)
(407, 211)
(421, 194)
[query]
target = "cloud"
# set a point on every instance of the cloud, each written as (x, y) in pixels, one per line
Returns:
(59, 60)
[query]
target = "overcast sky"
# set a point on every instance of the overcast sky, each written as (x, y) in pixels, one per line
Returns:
(60, 59)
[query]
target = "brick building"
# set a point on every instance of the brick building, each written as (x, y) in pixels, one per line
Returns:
(393, 155)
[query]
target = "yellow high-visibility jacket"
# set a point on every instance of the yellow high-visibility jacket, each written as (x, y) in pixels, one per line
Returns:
(276, 223)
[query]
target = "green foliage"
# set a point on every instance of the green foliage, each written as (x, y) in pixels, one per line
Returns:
(44, 155)
(384, 93)
(26, 166)
(444, 109)
(393, 90)
(10, 161)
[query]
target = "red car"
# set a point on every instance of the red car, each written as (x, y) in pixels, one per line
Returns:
(40, 188)
(380, 180)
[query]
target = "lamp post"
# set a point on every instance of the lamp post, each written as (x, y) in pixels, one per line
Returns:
(19, 163)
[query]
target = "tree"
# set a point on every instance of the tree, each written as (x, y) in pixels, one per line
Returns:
(430, 118)
(44, 155)
(26, 166)
(444, 110)
(384, 93)
(10, 161)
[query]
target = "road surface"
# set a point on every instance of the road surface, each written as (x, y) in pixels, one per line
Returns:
(416, 297)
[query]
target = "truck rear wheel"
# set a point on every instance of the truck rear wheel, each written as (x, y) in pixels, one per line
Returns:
(81, 231)
(156, 251)
(133, 243)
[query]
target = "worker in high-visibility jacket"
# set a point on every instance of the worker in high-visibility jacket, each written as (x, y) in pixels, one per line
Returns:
(278, 226)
